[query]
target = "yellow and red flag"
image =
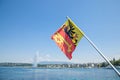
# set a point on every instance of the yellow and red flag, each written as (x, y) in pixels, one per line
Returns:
(67, 37)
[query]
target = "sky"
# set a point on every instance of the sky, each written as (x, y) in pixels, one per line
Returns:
(26, 27)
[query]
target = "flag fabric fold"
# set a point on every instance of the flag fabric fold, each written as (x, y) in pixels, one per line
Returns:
(67, 37)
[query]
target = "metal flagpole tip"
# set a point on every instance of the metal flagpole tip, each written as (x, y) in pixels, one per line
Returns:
(67, 17)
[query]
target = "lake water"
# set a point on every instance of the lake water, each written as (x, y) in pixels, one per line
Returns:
(10, 73)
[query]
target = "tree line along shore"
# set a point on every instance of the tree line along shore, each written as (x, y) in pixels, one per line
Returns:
(116, 63)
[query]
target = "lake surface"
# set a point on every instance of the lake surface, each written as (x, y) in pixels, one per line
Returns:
(10, 73)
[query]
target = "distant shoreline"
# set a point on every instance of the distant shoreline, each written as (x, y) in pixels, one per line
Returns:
(61, 65)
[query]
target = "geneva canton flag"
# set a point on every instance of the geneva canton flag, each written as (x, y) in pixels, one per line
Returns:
(67, 37)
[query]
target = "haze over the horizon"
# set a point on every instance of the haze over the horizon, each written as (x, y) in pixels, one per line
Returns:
(26, 26)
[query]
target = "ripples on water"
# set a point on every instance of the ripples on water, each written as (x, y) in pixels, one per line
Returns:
(10, 73)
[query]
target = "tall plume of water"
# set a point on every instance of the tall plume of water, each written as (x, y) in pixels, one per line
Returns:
(36, 59)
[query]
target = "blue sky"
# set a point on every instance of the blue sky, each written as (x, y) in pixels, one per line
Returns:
(26, 27)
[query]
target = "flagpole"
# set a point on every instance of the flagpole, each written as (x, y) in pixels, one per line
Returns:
(99, 52)
(102, 54)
